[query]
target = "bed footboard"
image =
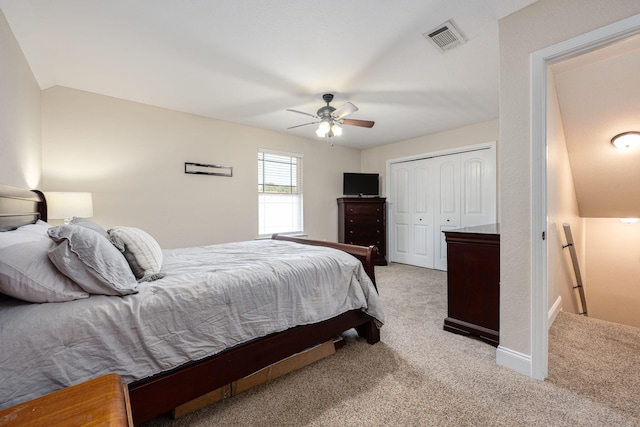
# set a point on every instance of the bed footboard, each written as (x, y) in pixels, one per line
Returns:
(366, 254)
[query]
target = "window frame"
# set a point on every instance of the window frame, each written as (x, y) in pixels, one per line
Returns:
(296, 202)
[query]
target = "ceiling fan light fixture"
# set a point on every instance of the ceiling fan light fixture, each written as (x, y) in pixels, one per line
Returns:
(330, 119)
(324, 127)
(626, 140)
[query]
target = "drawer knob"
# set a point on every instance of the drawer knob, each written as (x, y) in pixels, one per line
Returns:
(351, 221)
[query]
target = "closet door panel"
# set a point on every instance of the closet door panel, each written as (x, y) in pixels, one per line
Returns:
(423, 226)
(447, 204)
(401, 243)
(478, 188)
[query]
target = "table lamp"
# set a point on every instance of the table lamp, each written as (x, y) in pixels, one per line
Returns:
(66, 205)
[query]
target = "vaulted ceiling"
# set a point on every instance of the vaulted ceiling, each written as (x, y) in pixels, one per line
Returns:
(247, 61)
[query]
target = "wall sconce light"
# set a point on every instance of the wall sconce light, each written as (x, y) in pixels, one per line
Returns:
(65, 205)
(626, 140)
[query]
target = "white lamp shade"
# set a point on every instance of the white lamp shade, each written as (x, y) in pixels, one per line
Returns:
(65, 205)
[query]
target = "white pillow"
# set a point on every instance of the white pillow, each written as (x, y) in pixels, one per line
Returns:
(27, 273)
(91, 261)
(141, 251)
(24, 234)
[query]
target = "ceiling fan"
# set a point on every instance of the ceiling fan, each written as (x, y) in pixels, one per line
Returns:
(330, 118)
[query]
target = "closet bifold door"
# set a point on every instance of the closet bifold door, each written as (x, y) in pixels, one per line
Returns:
(433, 195)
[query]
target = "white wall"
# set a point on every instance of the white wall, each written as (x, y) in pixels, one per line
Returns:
(131, 157)
(562, 207)
(374, 159)
(20, 155)
(542, 24)
(613, 263)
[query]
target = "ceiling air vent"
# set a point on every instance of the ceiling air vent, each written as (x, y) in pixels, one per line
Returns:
(445, 36)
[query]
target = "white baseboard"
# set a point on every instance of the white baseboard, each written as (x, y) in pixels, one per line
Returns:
(514, 360)
(553, 312)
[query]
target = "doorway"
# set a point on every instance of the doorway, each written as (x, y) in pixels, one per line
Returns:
(540, 62)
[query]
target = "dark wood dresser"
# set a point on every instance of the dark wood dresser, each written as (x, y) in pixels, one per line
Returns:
(473, 282)
(363, 221)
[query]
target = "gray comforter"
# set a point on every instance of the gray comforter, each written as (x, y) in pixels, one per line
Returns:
(212, 298)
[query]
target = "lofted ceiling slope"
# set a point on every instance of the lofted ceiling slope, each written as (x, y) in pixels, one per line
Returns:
(247, 61)
(599, 97)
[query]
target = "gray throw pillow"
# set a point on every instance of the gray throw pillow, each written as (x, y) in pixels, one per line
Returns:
(90, 260)
(83, 222)
(27, 274)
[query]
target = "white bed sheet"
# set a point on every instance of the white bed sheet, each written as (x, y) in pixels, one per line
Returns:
(212, 298)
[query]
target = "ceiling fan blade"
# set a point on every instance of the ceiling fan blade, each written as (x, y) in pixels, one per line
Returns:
(305, 124)
(361, 123)
(344, 110)
(302, 112)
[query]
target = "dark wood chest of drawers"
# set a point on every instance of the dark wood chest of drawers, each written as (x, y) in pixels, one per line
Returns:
(363, 221)
(473, 282)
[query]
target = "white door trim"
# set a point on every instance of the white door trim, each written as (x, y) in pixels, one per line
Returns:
(429, 154)
(540, 61)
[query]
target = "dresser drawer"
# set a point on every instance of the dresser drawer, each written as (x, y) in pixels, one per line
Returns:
(366, 241)
(363, 209)
(367, 220)
(371, 232)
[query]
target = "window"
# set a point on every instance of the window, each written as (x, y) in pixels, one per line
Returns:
(279, 192)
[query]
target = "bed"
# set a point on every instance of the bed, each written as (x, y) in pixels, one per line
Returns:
(161, 380)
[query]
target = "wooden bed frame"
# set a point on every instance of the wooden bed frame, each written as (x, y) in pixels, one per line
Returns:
(165, 391)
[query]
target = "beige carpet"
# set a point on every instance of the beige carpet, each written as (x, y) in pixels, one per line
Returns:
(420, 375)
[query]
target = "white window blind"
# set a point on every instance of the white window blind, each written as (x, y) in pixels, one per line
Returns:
(279, 192)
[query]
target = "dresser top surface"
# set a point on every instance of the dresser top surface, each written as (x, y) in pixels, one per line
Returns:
(479, 229)
(361, 199)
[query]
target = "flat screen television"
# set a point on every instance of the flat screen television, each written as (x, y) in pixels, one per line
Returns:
(360, 184)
